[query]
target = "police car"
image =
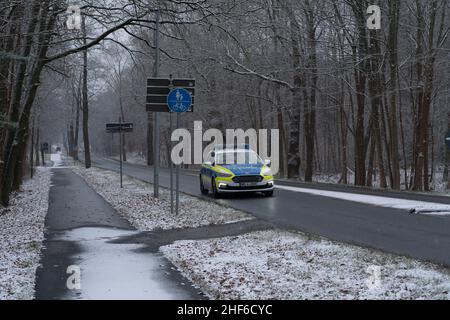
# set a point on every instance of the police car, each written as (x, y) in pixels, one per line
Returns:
(236, 170)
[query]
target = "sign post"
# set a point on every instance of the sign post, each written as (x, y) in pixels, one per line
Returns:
(179, 100)
(121, 128)
(447, 157)
(170, 96)
(177, 206)
(156, 135)
(44, 149)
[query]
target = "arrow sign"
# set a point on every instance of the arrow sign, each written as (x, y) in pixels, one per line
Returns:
(119, 127)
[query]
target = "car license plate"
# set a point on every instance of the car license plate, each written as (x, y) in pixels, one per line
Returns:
(248, 184)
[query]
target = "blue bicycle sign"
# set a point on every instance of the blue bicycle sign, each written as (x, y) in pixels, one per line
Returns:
(179, 100)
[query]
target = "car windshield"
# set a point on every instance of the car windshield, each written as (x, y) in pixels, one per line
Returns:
(237, 157)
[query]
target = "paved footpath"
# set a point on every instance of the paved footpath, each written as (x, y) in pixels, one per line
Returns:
(83, 237)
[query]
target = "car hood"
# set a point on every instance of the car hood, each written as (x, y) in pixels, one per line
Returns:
(244, 169)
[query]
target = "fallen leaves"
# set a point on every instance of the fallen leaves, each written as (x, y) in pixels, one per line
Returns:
(282, 265)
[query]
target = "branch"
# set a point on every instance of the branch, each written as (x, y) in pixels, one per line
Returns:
(249, 72)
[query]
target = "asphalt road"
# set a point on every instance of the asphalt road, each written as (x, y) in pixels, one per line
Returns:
(392, 230)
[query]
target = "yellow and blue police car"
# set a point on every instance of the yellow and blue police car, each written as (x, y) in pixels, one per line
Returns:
(236, 170)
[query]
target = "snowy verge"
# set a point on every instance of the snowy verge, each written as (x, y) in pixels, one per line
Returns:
(136, 203)
(412, 206)
(290, 266)
(21, 237)
(133, 158)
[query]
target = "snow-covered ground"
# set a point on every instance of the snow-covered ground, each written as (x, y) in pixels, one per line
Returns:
(21, 236)
(422, 207)
(134, 158)
(56, 159)
(136, 202)
(283, 265)
(437, 184)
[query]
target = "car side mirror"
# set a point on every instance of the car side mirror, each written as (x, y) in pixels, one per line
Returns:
(268, 163)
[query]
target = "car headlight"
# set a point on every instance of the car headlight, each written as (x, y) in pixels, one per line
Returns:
(266, 172)
(223, 174)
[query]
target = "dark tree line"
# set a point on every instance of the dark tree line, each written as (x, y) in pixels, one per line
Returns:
(368, 105)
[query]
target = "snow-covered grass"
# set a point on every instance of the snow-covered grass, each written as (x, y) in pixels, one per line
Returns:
(136, 202)
(291, 266)
(437, 184)
(21, 236)
(134, 158)
(429, 208)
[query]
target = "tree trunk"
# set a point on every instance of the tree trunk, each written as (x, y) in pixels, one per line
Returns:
(446, 176)
(47, 21)
(392, 47)
(360, 74)
(85, 101)
(425, 71)
(76, 140)
(294, 159)
(310, 113)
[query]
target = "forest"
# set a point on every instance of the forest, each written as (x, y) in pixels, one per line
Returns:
(363, 105)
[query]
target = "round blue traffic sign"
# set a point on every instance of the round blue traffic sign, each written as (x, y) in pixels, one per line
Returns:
(179, 100)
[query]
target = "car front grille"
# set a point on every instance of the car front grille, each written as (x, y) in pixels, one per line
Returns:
(252, 188)
(248, 179)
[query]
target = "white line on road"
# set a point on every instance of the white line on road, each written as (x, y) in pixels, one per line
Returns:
(421, 207)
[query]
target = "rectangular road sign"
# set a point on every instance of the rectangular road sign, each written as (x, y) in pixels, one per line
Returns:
(158, 89)
(119, 127)
(45, 147)
(164, 91)
(162, 100)
(177, 83)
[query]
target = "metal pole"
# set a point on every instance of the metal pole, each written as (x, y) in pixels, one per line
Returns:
(112, 145)
(32, 151)
(121, 155)
(171, 166)
(178, 175)
(156, 145)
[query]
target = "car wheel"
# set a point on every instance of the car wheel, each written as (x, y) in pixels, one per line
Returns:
(202, 187)
(215, 193)
(268, 194)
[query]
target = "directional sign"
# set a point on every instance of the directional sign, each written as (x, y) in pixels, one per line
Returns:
(179, 100)
(159, 89)
(45, 147)
(119, 127)
(161, 82)
(447, 139)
